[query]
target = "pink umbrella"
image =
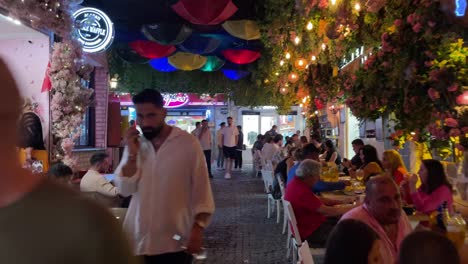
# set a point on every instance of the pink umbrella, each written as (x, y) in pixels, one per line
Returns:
(151, 50)
(205, 12)
(241, 56)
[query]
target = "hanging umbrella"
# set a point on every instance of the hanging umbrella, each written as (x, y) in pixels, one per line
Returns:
(243, 29)
(166, 33)
(187, 61)
(241, 56)
(162, 65)
(205, 12)
(199, 44)
(151, 50)
(129, 55)
(213, 63)
(235, 74)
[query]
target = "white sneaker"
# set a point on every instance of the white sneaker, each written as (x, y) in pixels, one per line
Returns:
(227, 176)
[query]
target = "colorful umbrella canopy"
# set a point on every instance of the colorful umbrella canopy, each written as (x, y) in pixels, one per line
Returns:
(243, 29)
(129, 55)
(242, 56)
(162, 65)
(213, 63)
(235, 74)
(205, 12)
(151, 50)
(187, 61)
(199, 44)
(166, 33)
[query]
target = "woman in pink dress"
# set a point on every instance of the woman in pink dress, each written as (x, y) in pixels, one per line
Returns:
(434, 189)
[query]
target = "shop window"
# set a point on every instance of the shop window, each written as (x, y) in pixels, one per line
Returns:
(87, 127)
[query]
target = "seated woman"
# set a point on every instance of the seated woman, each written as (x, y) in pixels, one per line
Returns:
(60, 173)
(315, 216)
(371, 164)
(331, 154)
(353, 240)
(434, 189)
(394, 166)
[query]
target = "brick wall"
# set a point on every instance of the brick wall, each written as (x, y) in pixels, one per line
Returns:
(101, 96)
(83, 157)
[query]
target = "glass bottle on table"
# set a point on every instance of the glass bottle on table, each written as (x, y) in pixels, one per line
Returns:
(360, 175)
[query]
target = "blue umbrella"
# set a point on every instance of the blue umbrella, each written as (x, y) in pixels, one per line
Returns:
(162, 65)
(235, 74)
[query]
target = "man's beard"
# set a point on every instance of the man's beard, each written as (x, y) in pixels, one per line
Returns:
(151, 132)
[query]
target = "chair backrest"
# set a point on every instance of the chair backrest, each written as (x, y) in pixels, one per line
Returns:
(281, 183)
(267, 177)
(293, 222)
(305, 257)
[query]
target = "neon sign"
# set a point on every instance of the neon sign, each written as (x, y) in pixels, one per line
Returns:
(175, 100)
(95, 29)
(460, 8)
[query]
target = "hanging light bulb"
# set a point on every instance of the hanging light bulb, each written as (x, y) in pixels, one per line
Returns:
(357, 6)
(283, 90)
(333, 2)
(281, 62)
(288, 55)
(297, 40)
(324, 46)
(309, 26)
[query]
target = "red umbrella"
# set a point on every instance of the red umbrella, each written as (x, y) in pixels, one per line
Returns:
(151, 50)
(241, 56)
(205, 12)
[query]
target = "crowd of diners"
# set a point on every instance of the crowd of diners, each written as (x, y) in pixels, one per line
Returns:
(376, 229)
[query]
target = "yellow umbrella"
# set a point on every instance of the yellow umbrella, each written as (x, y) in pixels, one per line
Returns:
(243, 29)
(187, 61)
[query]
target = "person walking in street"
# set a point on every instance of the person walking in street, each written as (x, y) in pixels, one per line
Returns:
(204, 136)
(230, 137)
(239, 149)
(43, 221)
(219, 142)
(165, 171)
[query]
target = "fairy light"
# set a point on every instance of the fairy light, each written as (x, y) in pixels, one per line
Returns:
(333, 2)
(297, 40)
(276, 73)
(314, 58)
(288, 55)
(357, 6)
(281, 62)
(309, 26)
(324, 46)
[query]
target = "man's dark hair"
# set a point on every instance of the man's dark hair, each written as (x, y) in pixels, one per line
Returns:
(310, 148)
(204, 120)
(197, 123)
(98, 158)
(229, 117)
(239, 127)
(222, 124)
(278, 138)
(149, 96)
(358, 142)
(59, 170)
(426, 247)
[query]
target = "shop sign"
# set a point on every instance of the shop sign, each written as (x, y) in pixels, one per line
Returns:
(175, 100)
(95, 29)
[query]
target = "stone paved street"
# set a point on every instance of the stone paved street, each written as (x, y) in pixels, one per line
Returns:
(240, 231)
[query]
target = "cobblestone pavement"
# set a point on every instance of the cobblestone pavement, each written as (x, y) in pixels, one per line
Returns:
(240, 231)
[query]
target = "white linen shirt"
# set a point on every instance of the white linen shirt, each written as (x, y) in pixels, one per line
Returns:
(268, 150)
(169, 189)
(205, 139)
(93, 181)
(229, 136)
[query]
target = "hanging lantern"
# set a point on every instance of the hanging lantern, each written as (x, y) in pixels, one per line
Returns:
(293, 77)
(300, 64)
(283, 90)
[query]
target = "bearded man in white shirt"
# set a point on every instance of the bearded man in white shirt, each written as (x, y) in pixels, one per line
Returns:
(94, 185)
(165, 171)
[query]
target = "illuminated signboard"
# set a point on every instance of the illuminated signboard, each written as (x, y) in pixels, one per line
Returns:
(95, 29)
(175, 100)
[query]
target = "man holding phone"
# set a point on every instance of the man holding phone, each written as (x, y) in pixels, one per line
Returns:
(165, 171)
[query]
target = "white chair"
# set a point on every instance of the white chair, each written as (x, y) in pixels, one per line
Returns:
(267, 177)
(285, 217)
(305, 256)
(296, 241)
(257, 160)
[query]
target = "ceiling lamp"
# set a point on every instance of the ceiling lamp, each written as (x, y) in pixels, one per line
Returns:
(300, 64)
(241, 56)
(283, 90)
(162, 65)
(293, 77)
(166, 33)
(151, 50)
(235, 74)
(187, 61)
(200, 45)
(243, 29)
(213, 63)
(205, 12)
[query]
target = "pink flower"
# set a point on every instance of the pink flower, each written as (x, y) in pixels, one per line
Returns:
(451, 122)
(455, 132)
(431, 23)
(323, 4)
(452, 88)
(433, 94)
(385, 64)
(428, 63)
(398, 22)
(411, 18)
(384, 36)
(465, 129)
(417, 27)
(434, 75)
(462, 99)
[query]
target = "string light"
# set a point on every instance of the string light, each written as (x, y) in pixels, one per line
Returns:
(357, 6)
(314, 58)
(297, 40)
(276, 73)
(324, 46)
(281, 62)
(288, 55)
(333, 2)
(310, 26)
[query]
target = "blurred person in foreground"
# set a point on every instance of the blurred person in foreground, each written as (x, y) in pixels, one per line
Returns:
(165, 171)
(427, 247)
(40, 220)
(353, 240)
(383, 213)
